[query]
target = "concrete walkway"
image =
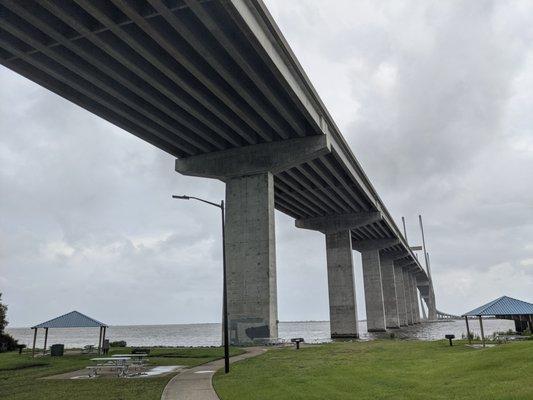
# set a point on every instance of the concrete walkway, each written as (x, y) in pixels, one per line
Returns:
(196, 383)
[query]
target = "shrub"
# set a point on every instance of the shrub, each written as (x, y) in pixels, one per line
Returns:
(140, 350)
(7, 342)
(3, 312)
(118, 343)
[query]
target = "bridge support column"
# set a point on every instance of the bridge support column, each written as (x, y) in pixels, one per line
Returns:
(375, 307)
(388, 283)
(341, 282)
(432, 308)
(250, 239)
(414, 300)
(400, 295)
(341, 285)
(251, 258)
(372, 279)
(408, 294)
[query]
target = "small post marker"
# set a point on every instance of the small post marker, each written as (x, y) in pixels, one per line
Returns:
(297, 341)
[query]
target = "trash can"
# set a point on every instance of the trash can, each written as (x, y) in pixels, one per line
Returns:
(57, 350)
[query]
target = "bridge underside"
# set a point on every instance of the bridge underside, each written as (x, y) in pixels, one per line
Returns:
(208, 77)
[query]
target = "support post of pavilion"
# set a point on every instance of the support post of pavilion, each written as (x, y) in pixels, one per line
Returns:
(45, 340)
(468, 331)
(100, 342)
(34, 340)
(482, 333)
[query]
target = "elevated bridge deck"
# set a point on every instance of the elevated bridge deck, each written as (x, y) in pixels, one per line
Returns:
(196, 78)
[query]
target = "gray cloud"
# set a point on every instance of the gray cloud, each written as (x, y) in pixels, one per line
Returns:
(434, 98)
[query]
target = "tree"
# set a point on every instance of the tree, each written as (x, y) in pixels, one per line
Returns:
(3, 312)
(7, 342)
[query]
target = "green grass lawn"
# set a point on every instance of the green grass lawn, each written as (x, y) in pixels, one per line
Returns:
(387, 369)
(19, 375)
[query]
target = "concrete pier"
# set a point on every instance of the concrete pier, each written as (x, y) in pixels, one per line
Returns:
(388, 283)
(432, 309)
(341, 285)
(400, 295)
(416, 307)
(251, 258)
(375, 308)
(408, 295)
(250, 234)
(412, 297)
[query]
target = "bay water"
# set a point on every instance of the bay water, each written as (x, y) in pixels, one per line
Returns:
(209, 334)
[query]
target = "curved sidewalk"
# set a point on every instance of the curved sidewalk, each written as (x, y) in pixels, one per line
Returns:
(196, 383)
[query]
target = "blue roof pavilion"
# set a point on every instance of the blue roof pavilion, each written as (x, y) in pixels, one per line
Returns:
(73, 319)
(505, 307)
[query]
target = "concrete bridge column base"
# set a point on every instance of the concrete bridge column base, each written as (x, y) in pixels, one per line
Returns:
(375, 309)
(251, 258)
(341, 285)
(388, 283)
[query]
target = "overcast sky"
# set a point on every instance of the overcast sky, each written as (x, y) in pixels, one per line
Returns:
(435, 99)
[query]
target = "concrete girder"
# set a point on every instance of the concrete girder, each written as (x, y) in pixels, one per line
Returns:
(374, 244)
(313, 177)
(295, 187)
(251, 21)
(232, 77)
(125, 78)
(394, 255)
(339, 222)
(237, 105)
(249, 160)
(218, 33)
(407, 263)
(100, 93)
(321, 174)
(346, 184)
(174, 81)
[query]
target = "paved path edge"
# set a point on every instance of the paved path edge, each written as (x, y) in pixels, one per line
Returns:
(197, 383)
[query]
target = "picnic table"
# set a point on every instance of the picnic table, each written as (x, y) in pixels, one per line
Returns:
(119, 364)
(138, 356)
(138, 360)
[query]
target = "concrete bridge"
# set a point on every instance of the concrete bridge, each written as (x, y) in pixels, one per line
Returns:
(443, 315)
(215, 84)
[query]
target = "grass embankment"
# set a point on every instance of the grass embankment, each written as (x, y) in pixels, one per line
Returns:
(19, 375)
(383, 370)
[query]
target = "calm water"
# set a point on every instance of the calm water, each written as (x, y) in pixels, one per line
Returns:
(209, 334)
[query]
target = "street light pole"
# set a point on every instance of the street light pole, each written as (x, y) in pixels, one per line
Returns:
(224, 292)
(225, 327)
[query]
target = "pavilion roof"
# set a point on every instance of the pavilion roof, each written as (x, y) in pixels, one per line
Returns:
(73, 319)
(502, 306)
